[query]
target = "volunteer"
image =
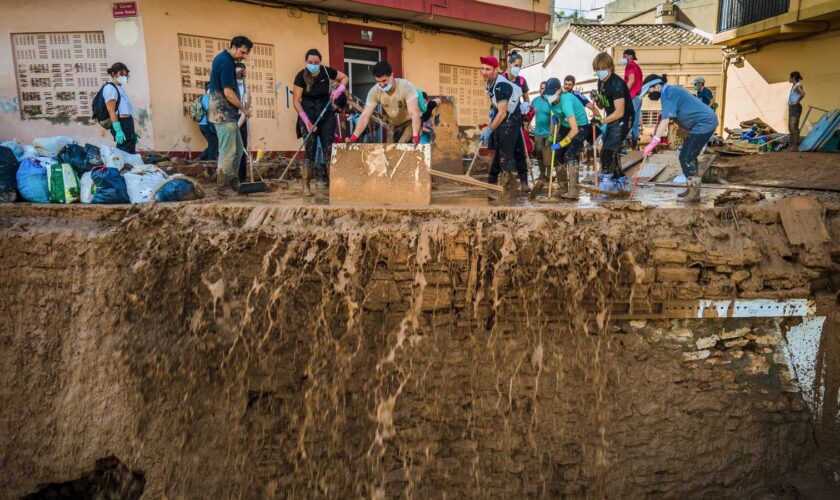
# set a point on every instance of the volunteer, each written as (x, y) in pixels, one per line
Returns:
(691, 114)
(119, 109)
(245, 96)
(512, 75)
(311, 95)
(542, 131)
(633, 79)
(574, 128)
(211, 152)
(797, 93)
(703, 93)
(398, 98)
(613, 97)
(505, 126)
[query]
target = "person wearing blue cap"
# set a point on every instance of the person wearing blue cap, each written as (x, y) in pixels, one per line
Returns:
(573, 122)
(690, 113)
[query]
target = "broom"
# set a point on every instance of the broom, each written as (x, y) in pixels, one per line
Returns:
(251, 187)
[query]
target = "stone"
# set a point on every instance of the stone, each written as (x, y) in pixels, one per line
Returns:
(770, 339)
(379, 292)
(758, 364)
(668, 256)
(636, 323)
(736, 343)
(717, 361)
(680, 335)
(723, 269)
(696, 356)
(678, 274)
(737, 354)
(692, 248)
(734, 334)
(707, 342)
(665, 243)
(739, 276)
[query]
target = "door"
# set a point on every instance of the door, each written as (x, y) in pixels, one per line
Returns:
(358, 62)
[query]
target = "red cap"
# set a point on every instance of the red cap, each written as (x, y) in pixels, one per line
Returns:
(489, 60)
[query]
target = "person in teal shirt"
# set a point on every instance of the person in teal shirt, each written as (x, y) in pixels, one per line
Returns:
(574, 129)
(542, 131)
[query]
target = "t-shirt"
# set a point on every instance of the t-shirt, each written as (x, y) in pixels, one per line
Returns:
(502, 90)
(542, 116)
(689, 112)
(427, 113)
(612, 89)
(633, 69)
(568, 105)
(223, 76)
(521, 82)
(395, 105)
(205, 103)
(320, 90)
(705, 95)
(109, 93)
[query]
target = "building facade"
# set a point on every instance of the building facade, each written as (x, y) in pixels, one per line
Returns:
(55, 57)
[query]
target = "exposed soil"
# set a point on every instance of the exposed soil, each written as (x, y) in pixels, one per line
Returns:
(785, 169)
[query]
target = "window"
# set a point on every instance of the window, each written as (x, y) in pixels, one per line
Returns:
(736, 13)
(358, 62)
(649, 116)
(467, 87)
(59, 73)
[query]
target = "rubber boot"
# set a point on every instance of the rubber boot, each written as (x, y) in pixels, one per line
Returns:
(509, 183)
(321, 177)
(523, 186)
(693, 193)
(306, 177)
(572, 190)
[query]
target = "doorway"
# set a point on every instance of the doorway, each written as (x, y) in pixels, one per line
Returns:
(358, 62)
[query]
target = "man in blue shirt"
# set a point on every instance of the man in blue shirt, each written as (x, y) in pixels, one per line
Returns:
(542, 131)
(703, 93)
(225, 105)
(690, 113)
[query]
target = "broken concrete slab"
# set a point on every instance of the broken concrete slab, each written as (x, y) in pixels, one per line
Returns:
(389, 174)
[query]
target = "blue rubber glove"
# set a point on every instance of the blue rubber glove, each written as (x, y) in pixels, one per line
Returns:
(556, 146)
(485, 135)
(525, 107)
(118, 133)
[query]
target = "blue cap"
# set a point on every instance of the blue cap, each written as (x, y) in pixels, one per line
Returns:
(552, 86)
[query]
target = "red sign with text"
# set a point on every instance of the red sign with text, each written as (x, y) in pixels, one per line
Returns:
(125, 9)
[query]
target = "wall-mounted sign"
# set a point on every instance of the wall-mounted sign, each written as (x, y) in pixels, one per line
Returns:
(367, 35)
(125, 9)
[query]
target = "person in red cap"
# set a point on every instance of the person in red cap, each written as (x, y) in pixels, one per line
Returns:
(505, 125)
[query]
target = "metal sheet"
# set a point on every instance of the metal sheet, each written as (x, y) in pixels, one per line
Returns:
(752, 308)
(387, 174)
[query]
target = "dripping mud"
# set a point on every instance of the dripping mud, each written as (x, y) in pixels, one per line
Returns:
(248, 351)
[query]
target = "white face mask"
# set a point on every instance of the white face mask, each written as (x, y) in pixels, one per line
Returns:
(122, 80)
(602, 74)
(624, 61)
(553, 98)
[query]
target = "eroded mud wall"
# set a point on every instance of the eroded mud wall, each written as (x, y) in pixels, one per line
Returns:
(240, 351)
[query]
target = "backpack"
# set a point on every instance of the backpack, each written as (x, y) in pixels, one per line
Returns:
(197, 111)
(100, 110)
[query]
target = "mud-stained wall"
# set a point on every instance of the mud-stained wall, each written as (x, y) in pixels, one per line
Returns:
(241, 351)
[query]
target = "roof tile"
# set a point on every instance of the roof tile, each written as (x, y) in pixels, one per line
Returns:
(604, 36)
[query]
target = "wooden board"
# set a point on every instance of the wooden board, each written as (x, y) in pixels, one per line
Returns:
(650, 171)
(802, 220)
(466, 179)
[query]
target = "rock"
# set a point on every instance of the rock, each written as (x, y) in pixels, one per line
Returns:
(678, 274)
(381, 292)
(723, 269)
(665, 243)
(707, 342)
(692, 248)
(770, 339)
(696, 356)
(638, 323)
(668, 256)
(734, 334)
(739, 276)
(680, 335)
(758, 364)
(736, 343)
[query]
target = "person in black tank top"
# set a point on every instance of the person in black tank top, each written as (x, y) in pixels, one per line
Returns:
(312, 93)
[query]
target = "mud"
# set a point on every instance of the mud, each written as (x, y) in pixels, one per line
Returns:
(236, 349)
(787, 169)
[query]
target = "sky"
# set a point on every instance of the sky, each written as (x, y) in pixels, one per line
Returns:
(588, 8)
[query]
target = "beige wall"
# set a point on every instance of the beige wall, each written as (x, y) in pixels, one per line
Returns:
(82, 15)
(761, 88)
(699, 13)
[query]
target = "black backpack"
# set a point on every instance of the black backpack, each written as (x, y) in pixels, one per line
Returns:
(100, 110)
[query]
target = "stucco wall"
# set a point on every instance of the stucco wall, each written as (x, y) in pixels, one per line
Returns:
(760, 89)
(699, 13)
(124, 40)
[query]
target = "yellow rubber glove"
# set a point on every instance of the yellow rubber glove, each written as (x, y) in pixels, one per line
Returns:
(565, 142)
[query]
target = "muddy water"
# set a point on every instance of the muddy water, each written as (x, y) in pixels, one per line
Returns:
(254, 351)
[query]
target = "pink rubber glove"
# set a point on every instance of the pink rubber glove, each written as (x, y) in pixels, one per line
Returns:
(653, 143)
(305, 119)
(337, 92)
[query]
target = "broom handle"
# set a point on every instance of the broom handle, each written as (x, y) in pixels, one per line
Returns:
(306, 139)
(551, 167)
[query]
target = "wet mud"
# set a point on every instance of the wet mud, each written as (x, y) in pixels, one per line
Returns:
(249, 350)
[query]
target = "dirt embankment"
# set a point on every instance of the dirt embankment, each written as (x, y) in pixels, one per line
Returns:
(789, 170)
(255, 351)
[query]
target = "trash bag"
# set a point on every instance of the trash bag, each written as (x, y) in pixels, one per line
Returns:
(142, 182)
(50, 146)
(177, 190)
(94, 157)
(29, 152)
(117, 158)
(31, 180)
(8, 169)
(153, 157)
(16, 148)
(75, 156)
(63, 183)
(110, 186)
(86, 188)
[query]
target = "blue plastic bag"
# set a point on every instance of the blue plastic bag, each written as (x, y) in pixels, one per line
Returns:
(176, 190)
(32, 182)
(110, 186)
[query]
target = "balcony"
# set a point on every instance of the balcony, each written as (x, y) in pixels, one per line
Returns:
(737, 13)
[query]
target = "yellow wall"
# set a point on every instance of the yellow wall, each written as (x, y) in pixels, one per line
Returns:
(760, 89)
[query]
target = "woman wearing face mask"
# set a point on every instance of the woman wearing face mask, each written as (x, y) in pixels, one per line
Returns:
(690, 113)
(119, 108)
(512, 75)
(311, 95)
(613, 97)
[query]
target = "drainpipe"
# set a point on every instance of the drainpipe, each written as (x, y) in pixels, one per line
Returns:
(723, 95)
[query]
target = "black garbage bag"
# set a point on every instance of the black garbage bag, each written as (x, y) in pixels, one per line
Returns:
(76, 157)
(153, 157)
(8, 171)
(110, 186)
(94, 157)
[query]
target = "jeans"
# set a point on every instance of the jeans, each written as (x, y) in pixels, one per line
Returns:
(611, 150)
(506, 138)
(130, 143)
(692, 145)
(637, 107)
(326, 133)
(243, 163)
(230, 151)
(211, 152)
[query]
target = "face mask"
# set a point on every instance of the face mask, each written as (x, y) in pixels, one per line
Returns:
(122, 80)
(313, 68)
(602, 74)
(654, 95)
(514, 70)
(624, 60)
(697, 87)
(386, 88)
(553, 98)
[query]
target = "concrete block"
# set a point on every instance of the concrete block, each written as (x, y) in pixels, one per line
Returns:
(707, 342)
(734, 334)
(696, 356)
(388, 174)
(678, 274)
(669, 256)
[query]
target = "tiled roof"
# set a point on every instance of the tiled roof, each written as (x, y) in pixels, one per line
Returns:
(604, 36)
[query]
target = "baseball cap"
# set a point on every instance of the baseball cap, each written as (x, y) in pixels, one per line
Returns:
(490, 61)
(631, 52)
(552, 86)
(699, 79)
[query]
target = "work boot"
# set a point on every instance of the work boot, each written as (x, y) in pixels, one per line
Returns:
(509, 183)
(693, 193)
(228, 187)
(306, 177)
(572, 191)
(523, 185)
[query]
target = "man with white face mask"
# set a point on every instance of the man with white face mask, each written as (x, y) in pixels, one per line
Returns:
(398, 98)
(119, 108)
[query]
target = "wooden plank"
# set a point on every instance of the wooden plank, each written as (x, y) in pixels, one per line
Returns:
(630, 159)
(466, 180)
(650, 171)
(802, 220)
